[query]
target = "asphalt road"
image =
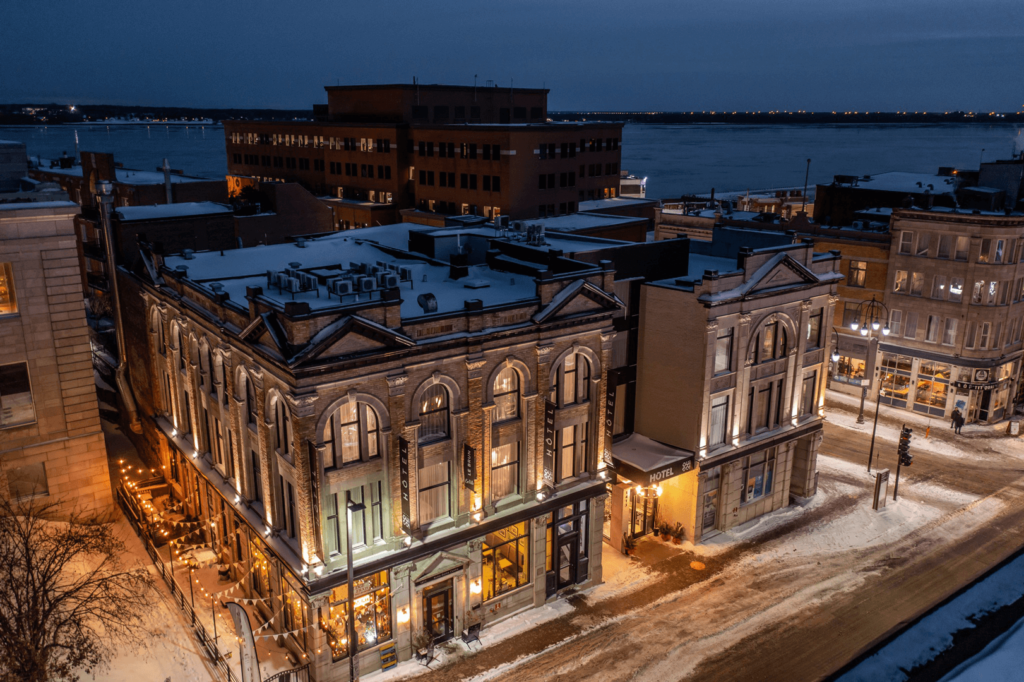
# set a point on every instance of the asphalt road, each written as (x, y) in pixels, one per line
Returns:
(766, 610)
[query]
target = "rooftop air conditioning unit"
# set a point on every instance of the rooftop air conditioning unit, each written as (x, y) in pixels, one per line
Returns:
(367, 284)
(405, 273)
(388, 280)
(341, 287)
(292, 285)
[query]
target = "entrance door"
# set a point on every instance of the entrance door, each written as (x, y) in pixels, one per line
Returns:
(568, 554)
(709, 512)
(437, 610)
(644, 513)
(986, 401)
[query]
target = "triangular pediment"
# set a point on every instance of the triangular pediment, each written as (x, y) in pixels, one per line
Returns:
(785, 272)
(439, 564)
(575, 299)
(350, 335)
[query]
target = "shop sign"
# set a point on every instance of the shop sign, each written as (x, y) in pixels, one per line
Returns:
(609, 420)
(665, 473)
(469, 467)
(403, 473)
(971, 386)
(549, 442)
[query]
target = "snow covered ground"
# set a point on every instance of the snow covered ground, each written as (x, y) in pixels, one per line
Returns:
(1001, 660)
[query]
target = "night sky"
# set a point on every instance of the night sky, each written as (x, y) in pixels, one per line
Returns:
(669, 55)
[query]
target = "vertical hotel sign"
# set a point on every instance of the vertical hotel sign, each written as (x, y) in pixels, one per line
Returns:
(403, 473)
(609, 419)
(469, 467)
(549, 443)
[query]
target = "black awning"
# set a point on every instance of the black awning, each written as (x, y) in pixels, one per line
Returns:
(647, 462)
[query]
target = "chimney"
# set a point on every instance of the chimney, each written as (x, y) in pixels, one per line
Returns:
(167, 182)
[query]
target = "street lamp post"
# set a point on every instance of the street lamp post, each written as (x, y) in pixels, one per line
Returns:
(871, 319)
(351, 508)
(191, 593)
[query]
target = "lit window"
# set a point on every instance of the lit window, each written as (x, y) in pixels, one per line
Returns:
(8, 303)
(16, 404)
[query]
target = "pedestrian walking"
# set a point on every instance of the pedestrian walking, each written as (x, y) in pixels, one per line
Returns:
(959, 422)
(954, 417)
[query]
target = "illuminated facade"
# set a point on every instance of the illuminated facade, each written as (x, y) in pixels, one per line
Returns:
(424, 394)
(731, 370)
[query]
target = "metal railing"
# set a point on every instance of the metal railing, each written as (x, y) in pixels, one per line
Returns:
(135, 517)
(294, 675)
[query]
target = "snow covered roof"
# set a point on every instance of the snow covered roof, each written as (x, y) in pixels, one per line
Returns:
(604, 204)
(582, 221)
(334, 256)
(26, 205)
(910, 183)
(128, 176)
(164, 211)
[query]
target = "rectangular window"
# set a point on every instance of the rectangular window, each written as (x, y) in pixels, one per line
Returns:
(900, 284)
(962, 246)
(916, 283)
(911, 329)
(434, 483)
(257, 479)
(758, 472)
(496, 183)
(567, 453)
(333, 527)
(723, 352)
(906, 242)
(719, 421)
(986, 248)
(814, 330)
(895, 317)
(8, 303)
(923, 244)
(16, 404)
(358, 517)
(28, 480)
(371, 611)
(969, 337)
(949, 332)
(956, 289)
(945, 246)
(504, 471)
(377, 510)
(932, 331)
(762, 412)
(939, 287)
(506, 560)
(997, 257)
(983, 338)
(858, 273)
(979, 290)
(808, 396)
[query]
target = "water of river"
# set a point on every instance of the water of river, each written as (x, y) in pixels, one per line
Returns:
(676, 159)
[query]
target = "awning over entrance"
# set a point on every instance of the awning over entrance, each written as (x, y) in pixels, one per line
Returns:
(647, 462)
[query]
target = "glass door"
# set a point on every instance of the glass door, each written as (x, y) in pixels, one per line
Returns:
(437, 610)
(567, 559)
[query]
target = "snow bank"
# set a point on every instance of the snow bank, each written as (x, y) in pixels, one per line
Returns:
(934, 633)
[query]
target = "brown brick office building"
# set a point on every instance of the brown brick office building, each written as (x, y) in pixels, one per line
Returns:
(449, 150)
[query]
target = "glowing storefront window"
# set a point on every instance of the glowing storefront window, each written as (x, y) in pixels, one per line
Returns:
(372, 609)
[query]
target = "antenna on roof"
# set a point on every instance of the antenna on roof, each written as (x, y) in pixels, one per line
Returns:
(474, 87)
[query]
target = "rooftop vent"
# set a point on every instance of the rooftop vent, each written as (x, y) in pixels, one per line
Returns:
(476, 284)
(188, 254)
(428, 302)
(300, 242)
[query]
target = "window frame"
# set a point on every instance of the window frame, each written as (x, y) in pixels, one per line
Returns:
(435, 434)
(369, 440)
(8, 291)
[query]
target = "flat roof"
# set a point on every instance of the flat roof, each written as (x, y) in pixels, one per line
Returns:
(582, 221)
(128, 176)
(599, 204)
(29, 205)
(911, 183)
(164, 211)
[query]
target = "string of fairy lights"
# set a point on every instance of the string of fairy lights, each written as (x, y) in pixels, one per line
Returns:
(182, 547)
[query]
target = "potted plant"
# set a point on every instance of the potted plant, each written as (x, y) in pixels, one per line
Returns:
(629, 544)
(678, 534)
(665, 530)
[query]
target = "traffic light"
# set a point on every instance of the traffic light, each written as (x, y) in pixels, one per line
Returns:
(903, 449)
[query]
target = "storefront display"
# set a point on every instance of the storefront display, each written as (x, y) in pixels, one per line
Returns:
(932, 388)
(895, 378)
(372, 612)
(261, 570)
(849, 370)
(506, 554)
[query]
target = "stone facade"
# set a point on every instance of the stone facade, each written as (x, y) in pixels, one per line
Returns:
(50, 438)
(245, 401)
(732, 368)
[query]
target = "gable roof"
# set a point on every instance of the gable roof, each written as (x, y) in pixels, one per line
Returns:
(762, 276)
(579, 287)
(333, 332)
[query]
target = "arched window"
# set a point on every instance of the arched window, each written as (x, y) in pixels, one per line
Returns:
(570, 383)
(157, 328)
(506, 395)
(282, 428)
(250, 401)
(352, 434)
(434, 414)
(205, 380)
(771, 343)
(181, 350)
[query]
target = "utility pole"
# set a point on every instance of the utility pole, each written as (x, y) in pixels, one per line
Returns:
(807, 174)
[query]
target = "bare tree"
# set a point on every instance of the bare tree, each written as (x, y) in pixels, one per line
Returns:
(66, 598)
